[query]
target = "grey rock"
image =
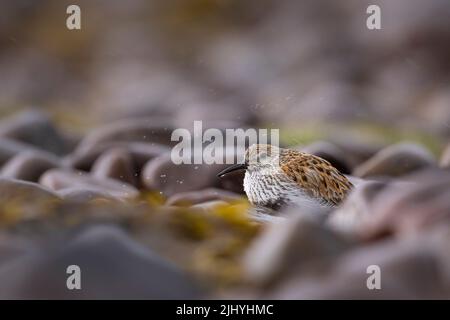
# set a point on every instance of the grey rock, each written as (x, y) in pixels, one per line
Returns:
(209, 205)
(85, 194)
(161, 174)
(141, 153)
(409, 270)
(34, 128)
(113, 266)
(357, 150)
(196, 197)
(396, 160)
(445, 158)
(12, 247)
(292, 245)
(134, 130)
(409, 207)
(356, 207)
(29, 165)
(115, 164)
(28, 192)
(9, 148)
(57, 179)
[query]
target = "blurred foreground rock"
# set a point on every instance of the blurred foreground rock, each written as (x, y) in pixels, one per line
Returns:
(113, 266)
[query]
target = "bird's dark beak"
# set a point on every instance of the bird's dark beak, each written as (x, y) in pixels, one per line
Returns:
(234, 167)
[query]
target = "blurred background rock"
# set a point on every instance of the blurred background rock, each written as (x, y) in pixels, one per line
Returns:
(311, 65)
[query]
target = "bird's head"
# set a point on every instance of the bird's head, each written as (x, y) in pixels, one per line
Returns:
(257, 157)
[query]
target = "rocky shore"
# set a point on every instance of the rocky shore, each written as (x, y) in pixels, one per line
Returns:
(139, 226)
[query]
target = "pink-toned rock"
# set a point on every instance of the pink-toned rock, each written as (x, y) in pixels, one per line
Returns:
(409, 207)
(196, 197)
(115, 164)
(445, 158)
(29, 165)
(396, 160)
(85, 194)
(356, 207)
(57, 179)
(409, 270)
(293, 245)
(83, 159)
(162, 174)
(113, 266)
(132, 130)
(10, 148)
(34, 128)
(26, 192)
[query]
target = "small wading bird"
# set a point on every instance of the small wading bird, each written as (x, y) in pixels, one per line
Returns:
(277, 177)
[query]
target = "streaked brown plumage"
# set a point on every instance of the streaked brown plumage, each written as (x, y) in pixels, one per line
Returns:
(315, 175)
(276, 176)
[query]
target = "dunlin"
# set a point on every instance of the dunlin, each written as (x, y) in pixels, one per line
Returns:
(276, 177)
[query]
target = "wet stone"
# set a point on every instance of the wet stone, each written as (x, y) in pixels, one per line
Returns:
(27, 192)
(112, 264)
(115, 164)
(134, 130)
(9, 148)
(164, 175)
(57, 179)
(83, 159)
(34, 128)
(29, 165)
(292, 245)
(196, 197)
(396, 160)
(409, 207)
(409, 270)
(445, 158)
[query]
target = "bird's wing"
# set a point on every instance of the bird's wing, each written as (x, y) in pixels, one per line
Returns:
(316, 176)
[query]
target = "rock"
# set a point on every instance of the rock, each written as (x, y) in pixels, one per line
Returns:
(26, 192)
(445, 158)
(357, 150)
(12, 247)
(140, 152)
(409, 270)
(396, 160)
(434, 113)
(358, 205)
(210, 205)
(295, 244)
(331, 153)
(29, 165)
(115, 164)
(57, 179)
(405, 208)
(85, 194)
(196, 197)
(9, 148)
(161, 174)
(34, 128)
(113, 266)
(215, 114)
(134, 130)
(24, 201)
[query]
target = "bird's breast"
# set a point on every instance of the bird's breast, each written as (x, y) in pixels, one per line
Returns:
(272, 188)
(267, 187)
